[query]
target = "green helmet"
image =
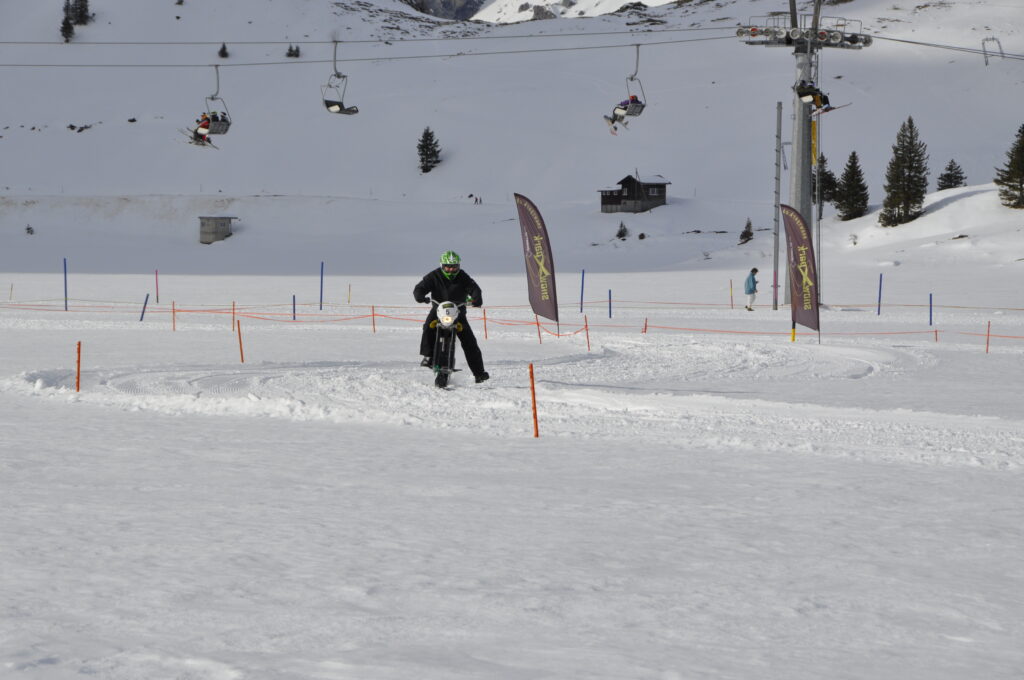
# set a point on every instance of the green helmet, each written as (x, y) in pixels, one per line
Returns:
(450, 263)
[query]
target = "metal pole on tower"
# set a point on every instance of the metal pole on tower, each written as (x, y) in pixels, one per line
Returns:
(778, 196)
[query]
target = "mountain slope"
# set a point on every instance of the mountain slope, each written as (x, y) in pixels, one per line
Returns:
(524, 118)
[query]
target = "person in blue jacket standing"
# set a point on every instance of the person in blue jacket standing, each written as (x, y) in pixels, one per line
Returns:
(750, 288)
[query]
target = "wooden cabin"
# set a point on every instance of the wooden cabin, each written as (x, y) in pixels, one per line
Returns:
(635, 194)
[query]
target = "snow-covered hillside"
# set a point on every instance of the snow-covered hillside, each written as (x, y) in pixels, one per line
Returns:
(528, 122)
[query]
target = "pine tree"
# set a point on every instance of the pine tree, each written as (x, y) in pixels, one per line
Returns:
(828, 181)
(67, 29)
(80, 12)
(952, 177)
(223, 51)
(747, 233)
(1010, 178)
(623, 232)
(429, 151)
(297, 52)
(906, 178)
(851, 197)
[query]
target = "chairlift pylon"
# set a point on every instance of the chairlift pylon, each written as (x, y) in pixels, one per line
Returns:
(333, 90)
(220, 119)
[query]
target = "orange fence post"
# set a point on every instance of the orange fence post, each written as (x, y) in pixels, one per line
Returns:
(533, 399)
(988, 335)
(730, 295)
(537, 319)
(485, 323)
(241, 352)
(174, 317)
(644, 331)
(78, 368)
(373, 317)
(586, 329)
(233, 315)
(936, 335)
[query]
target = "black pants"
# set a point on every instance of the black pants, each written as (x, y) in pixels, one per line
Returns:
(474, 359)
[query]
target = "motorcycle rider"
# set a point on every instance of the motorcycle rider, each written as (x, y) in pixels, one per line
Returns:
(449, 282)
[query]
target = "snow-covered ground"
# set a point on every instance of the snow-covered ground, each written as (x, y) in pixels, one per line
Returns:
(706, 499)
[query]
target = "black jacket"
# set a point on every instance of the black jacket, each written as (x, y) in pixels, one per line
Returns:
(456, 289)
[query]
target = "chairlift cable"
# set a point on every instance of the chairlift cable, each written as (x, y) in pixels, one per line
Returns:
(377, 58)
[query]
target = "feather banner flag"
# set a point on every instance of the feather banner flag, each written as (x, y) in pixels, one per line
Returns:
(540, 266)
(803, 270)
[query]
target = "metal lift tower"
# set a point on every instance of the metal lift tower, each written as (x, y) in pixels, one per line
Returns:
(806, 34)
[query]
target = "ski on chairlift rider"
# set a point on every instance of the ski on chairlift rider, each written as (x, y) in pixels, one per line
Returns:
(449, 283)
(620, 110)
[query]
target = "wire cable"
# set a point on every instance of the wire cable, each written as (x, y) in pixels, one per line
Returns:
(376, 58)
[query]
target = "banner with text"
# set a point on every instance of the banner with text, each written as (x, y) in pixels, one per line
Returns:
(540, 266)
(803, 272)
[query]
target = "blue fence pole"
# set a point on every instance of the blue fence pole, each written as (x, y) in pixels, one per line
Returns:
(929, 309)
(293, 308)
(583, 275)
(65, 284)
(609, 303)
(144, 303)
(879, 312)
(321, 286)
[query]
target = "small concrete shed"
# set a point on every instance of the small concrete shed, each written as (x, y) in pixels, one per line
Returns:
(214, 228)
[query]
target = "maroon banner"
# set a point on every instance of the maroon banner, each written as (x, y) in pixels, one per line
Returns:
(540, 266)
(803, 270)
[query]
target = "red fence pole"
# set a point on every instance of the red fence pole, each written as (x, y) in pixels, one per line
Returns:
(241, 352)
(533, 399)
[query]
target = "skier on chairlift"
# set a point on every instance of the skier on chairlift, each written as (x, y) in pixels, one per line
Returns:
(809, 93)
(202, 130)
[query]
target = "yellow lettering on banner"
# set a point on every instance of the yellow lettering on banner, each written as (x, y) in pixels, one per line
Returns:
(542, 270)
(806, 283)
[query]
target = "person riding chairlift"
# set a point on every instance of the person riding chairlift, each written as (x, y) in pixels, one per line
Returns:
(619, 112)
(809, 93)
(202, 131)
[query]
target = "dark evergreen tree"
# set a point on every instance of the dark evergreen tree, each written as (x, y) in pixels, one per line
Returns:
(429, 151)
(67, 29)
(906, 178)
(953, 176)
(1010, 177)
(851, 197)
(298, 53)
(80, 12)
(623, 232)
(747, 233)
(828, 181)
(223, 51)
(290, 52)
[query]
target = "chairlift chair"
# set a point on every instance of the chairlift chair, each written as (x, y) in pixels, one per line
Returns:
(635, 107)
(217, 110)
(333, 90)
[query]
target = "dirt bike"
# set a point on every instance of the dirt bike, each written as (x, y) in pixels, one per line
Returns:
(447, 326)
